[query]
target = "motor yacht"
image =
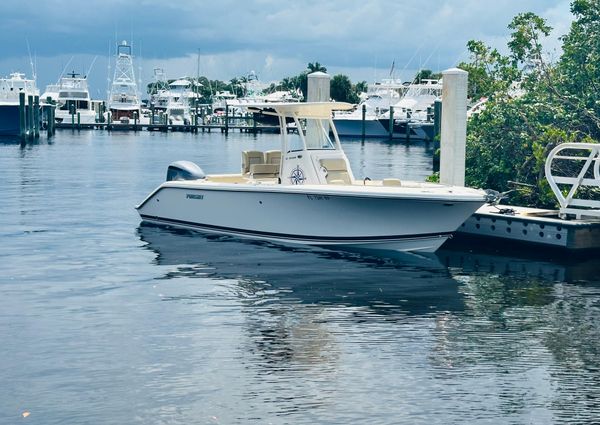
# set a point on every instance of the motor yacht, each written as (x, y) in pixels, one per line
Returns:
(375, 102)
(72, 97)
(306, 193)
(124, 99)
(10, 88)
(413, 113)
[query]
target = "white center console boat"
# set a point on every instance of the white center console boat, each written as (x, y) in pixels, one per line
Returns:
(307, 194)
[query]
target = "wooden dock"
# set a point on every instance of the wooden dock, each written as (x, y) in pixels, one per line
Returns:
(188, 128)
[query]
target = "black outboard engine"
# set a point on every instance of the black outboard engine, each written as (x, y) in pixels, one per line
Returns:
(184, 170)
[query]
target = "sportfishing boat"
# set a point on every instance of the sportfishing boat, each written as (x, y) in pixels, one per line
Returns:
(306, 193)
(10, 88)
(72, 97)
(413, 113)
(375, 102)
(124, 99)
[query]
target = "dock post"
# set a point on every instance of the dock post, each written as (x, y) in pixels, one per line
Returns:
(36, 117)
(364, 116)
(196, 115)
(78, 120)
(391, 124)
(226, 119)
(135, 120)
(454, 127)
(22, 115)
(72, 113)
(50, 115)
(108, 120)
(437, 119)
(30, 116)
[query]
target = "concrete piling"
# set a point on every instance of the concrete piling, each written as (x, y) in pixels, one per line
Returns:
(454, 127)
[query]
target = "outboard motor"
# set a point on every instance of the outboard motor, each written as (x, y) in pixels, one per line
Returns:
(184, 170)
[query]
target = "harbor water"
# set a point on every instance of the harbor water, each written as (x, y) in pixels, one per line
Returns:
(107, 321)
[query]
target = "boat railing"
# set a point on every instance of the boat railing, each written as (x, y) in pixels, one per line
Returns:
(573, 171)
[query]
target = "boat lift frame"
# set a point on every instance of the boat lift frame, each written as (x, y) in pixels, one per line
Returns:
(567, 199)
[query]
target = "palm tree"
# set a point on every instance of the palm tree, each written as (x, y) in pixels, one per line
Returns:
(316, 67)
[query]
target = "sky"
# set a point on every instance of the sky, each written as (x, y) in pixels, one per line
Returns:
(272, 38)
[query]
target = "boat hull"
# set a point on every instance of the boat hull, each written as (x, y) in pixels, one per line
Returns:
(346, 127)
(338, 220)
(9, 120)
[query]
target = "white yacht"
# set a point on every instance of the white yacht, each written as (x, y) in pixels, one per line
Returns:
(376, 102)
(10, 88)
(124, 99)
(411, 112)
(72, 97)
(180, 98)
(220, 100)
(306, 193)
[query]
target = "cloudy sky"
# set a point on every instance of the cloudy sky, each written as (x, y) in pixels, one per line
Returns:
(273, 38)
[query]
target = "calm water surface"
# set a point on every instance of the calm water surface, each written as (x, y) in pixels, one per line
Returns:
(103, 320)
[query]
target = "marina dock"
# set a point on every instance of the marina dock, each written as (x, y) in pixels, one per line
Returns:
(532, 226)
(187, 128)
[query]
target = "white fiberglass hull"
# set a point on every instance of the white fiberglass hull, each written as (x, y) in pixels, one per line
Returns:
(316, 215)
(85, 117)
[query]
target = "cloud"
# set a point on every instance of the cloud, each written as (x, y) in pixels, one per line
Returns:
(275, 38)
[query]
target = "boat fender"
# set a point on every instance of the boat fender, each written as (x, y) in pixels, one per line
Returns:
(184, 170)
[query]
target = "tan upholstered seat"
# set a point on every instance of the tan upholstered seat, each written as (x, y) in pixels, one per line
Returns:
(273, 157)
(392, 182)
(336, 170)
(264, 171)
(250, 158)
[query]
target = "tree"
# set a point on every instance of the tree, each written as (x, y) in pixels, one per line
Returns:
(534, 104)
(426, 74)
(341, 89)
(316, 67)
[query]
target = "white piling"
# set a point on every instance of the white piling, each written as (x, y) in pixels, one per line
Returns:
(318, 89)
(319, 84)
(454, 127)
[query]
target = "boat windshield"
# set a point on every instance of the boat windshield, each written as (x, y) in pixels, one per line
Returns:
(317, 135)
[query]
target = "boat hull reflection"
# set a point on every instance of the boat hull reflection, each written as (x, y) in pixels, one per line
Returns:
(403, 283)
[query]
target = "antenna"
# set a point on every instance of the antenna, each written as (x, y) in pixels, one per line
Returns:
(30, 60)
(108, 75)
(64, 69)
(91, 66)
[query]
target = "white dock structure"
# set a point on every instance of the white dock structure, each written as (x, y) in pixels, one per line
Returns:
(570, 169)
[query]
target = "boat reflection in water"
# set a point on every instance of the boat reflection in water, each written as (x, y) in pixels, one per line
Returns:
(496, 324)
(386, 284)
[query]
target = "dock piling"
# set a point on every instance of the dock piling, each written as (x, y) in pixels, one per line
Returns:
(391, 123)
(30, 116)
(36, 116)
(454, 127)
(364, 116)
